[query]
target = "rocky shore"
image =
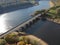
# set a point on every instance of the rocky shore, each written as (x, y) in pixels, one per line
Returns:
(54, 20)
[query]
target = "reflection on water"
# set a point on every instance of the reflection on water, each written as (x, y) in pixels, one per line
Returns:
(2, 24)
(12, 19)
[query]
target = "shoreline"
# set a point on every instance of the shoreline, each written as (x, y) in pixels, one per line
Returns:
(15, 7)
(54, 20)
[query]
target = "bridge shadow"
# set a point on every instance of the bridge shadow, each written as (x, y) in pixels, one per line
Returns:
(48, 31)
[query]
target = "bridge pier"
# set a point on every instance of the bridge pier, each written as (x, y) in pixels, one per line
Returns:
(22, 27)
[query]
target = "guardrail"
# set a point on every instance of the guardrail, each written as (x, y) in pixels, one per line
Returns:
(23, 26)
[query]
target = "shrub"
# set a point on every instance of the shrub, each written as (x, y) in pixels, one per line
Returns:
(37, 12)
(11, 38)
(2, 42)
(21, 43)
(25, 39)
(58, 11)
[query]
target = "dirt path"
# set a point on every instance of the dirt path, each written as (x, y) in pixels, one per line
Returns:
(51, 4)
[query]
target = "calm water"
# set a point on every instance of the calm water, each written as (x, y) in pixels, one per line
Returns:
(12, 19)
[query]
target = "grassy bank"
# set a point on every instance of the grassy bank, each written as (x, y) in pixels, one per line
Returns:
(52, 13)
(21, 38)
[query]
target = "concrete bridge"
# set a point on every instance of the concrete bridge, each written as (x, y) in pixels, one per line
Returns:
(23, 26)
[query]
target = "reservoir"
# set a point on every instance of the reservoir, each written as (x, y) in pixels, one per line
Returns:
(14, 18)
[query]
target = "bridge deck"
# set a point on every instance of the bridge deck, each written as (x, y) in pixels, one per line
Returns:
(18, 27)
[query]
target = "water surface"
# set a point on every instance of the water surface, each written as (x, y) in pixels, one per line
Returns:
(12, 19)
